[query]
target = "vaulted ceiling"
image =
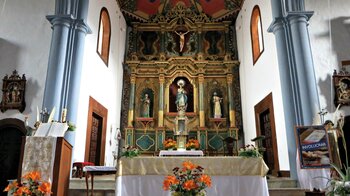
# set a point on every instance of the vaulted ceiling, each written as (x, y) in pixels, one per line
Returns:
(144, 10)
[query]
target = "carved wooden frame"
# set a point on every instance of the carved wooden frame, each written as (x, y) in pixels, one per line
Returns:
(13, 92)
(341, 82)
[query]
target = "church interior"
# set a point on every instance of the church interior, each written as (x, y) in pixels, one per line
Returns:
(135, 74)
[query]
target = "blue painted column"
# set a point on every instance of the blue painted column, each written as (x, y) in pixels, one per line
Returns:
(278, 27)
(298, 85)
(56, 65)
(65, 59)
(76, 64)
(304, 67)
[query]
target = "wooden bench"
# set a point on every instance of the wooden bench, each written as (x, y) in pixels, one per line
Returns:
(96, 170)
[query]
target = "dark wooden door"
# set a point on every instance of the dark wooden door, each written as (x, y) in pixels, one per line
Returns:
(265, 129)
(96, 133)
(10, 150)
(265, 125)
(95, 139)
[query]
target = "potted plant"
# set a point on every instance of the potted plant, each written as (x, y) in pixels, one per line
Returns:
(187, 181)
(249, 151)
(192, 144)
(31, 185)
(130, 152)
(169, 144)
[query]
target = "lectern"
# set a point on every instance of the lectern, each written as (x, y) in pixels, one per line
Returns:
(51, 156)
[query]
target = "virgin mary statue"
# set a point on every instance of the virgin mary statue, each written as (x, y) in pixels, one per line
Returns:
(181, 97)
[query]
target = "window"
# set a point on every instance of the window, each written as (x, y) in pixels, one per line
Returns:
(256, 34)
(104, 35)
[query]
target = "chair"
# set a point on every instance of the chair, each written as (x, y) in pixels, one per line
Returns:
(228, 145)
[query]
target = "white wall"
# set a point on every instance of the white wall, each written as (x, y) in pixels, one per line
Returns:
(329, 31)
(258, 80)
(25, 37)
(102, 83)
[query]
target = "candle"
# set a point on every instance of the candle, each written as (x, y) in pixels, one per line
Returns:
(37, 114)
(64, 115)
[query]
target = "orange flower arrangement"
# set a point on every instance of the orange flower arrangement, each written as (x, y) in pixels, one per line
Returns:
(192, 144)
(31, 185)
(169, 143)
(189, 180)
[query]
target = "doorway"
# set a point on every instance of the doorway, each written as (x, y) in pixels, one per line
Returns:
(11, 133)
(96, 133)
(265, 126)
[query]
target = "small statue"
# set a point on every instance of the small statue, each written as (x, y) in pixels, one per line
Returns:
(146, 106)
(217, 105)
(182, 39)
(181, 97)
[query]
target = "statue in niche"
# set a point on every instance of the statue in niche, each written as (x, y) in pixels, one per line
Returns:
(182, 39)
(181, 97)
(146, 102)
(217, 105)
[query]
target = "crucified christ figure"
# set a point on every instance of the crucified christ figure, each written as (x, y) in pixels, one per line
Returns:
(182, 39)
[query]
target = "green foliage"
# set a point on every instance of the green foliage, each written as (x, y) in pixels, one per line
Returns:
(249, 151)
(130, 152)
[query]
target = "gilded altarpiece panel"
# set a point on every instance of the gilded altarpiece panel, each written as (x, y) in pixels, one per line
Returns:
(181, 44)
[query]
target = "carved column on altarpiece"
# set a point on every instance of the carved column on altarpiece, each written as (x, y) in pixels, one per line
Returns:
(161, 101)
(201, 101)
(132, 100)
(229, 78)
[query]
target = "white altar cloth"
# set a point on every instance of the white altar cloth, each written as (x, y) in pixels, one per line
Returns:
(181, 153)
(144, 176)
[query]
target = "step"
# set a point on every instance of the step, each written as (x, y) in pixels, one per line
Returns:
(281, 182)
(286, 192)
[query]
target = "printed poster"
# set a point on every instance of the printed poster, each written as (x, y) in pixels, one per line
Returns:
(313, 147)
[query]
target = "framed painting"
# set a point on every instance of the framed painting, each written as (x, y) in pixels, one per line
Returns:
(13, 92)
(341, 83)
(313, 147)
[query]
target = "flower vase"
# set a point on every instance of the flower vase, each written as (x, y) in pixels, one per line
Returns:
(193, 149)
(170, 149)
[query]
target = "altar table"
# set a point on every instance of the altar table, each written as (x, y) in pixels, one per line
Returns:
(234, 176)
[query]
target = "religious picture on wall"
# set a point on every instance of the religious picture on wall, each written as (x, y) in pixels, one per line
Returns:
(217, 105)
(146, 103)
(313, 147)
(13, 92)
(341, 83)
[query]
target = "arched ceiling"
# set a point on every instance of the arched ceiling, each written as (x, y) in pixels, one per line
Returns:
(144, 10)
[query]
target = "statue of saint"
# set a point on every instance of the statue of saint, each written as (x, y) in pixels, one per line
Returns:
(146, 102)
(181, 97)
(182, 39)
(217, 105)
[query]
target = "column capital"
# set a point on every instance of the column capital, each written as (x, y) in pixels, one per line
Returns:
(229, 78)
(161, 79)
(201, 78)
(133, 79)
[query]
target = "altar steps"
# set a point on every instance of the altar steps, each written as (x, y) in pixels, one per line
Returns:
(105, 186)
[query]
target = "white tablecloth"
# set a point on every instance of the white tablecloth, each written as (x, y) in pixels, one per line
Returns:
(231, 176)
(152, 185)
